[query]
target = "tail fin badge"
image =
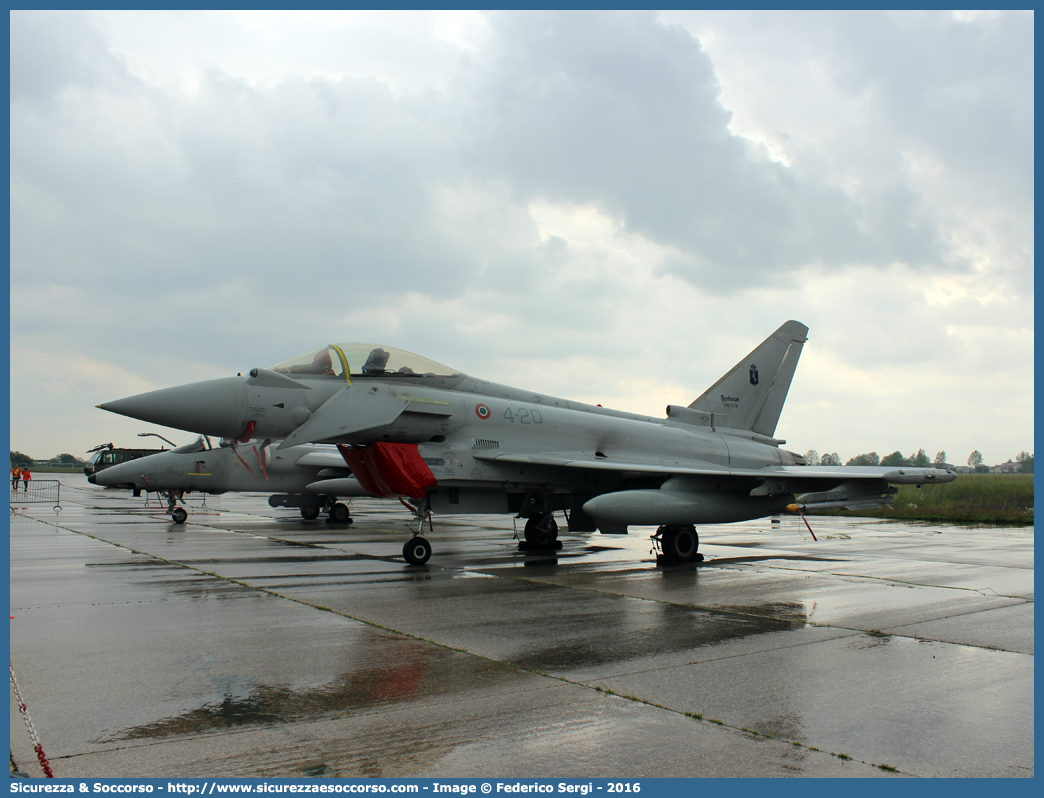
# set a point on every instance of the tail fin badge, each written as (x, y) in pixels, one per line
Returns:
(753, 374)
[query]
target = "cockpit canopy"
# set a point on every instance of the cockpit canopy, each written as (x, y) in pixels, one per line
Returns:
(362, 361)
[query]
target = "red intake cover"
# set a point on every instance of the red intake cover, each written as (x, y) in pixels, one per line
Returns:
(389, 469)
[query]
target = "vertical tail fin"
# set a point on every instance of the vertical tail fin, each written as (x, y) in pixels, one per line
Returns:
(753, 393)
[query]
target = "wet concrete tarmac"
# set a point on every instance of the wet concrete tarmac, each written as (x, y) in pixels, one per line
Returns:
(250, 642)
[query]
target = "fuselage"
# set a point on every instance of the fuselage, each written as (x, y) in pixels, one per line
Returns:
(459, 423)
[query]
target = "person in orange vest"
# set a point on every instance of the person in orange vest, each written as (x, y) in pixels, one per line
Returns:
(16, 474)
(26, 476)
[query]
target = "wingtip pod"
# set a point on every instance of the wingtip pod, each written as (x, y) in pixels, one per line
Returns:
(918, 476)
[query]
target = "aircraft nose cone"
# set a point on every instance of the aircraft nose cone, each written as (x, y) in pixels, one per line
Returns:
(119, 474)
(105, 478)
(214, 407)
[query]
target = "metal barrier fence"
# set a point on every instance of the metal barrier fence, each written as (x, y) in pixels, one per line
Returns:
(36, 491)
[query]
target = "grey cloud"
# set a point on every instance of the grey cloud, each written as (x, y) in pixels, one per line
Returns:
(54, 50)
(622, 111)
(330, 176)
(327, 193)
(922, 83)
(615, 109)
(964, 88)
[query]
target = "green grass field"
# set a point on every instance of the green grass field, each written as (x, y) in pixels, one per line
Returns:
(972, 498)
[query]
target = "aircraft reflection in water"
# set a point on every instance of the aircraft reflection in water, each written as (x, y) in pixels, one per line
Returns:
(310, 476)
(407, 426)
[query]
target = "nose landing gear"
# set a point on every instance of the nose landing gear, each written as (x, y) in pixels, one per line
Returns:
(178, 515)
(416, 551)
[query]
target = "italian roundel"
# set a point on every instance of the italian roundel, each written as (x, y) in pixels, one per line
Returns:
(482, 412)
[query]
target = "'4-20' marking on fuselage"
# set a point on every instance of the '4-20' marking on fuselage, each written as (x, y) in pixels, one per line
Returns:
(523, 415)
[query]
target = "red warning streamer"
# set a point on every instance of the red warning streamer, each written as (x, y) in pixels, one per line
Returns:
(813, 534)
(37, 745)
(261, 462)
(242, 460)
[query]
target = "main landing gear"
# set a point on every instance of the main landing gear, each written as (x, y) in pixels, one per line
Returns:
(677, 544)
(542, 532)
(339, 512)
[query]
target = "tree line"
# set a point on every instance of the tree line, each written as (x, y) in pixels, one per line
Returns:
(17, 458)
(1023, 460)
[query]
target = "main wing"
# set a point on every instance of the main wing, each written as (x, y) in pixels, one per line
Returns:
(664, 465)
(817, 487)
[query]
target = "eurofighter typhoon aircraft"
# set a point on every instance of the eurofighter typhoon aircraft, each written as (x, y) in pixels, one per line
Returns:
(311, 476)
(410, 427)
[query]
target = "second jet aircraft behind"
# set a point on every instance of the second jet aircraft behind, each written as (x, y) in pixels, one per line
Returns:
(408, 426)
(311, 477)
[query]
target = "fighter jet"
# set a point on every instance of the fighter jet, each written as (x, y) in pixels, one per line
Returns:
(298, 476)
(412, 427)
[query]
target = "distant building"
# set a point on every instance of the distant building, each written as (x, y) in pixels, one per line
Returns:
(1005, 468)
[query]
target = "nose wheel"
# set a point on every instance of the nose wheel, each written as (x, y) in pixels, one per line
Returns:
(178, 515)
(417, 551)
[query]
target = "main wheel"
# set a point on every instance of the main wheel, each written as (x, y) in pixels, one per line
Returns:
(309, 512)
(179, 515)
(541, 531)
(680, 544)
(417, 551)
(339, 514)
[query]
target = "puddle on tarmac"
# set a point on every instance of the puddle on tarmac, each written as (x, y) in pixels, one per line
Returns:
(413, 670)
(260, 560)
(660, 629)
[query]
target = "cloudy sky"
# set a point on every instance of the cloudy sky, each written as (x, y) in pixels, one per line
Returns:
(611, 207)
